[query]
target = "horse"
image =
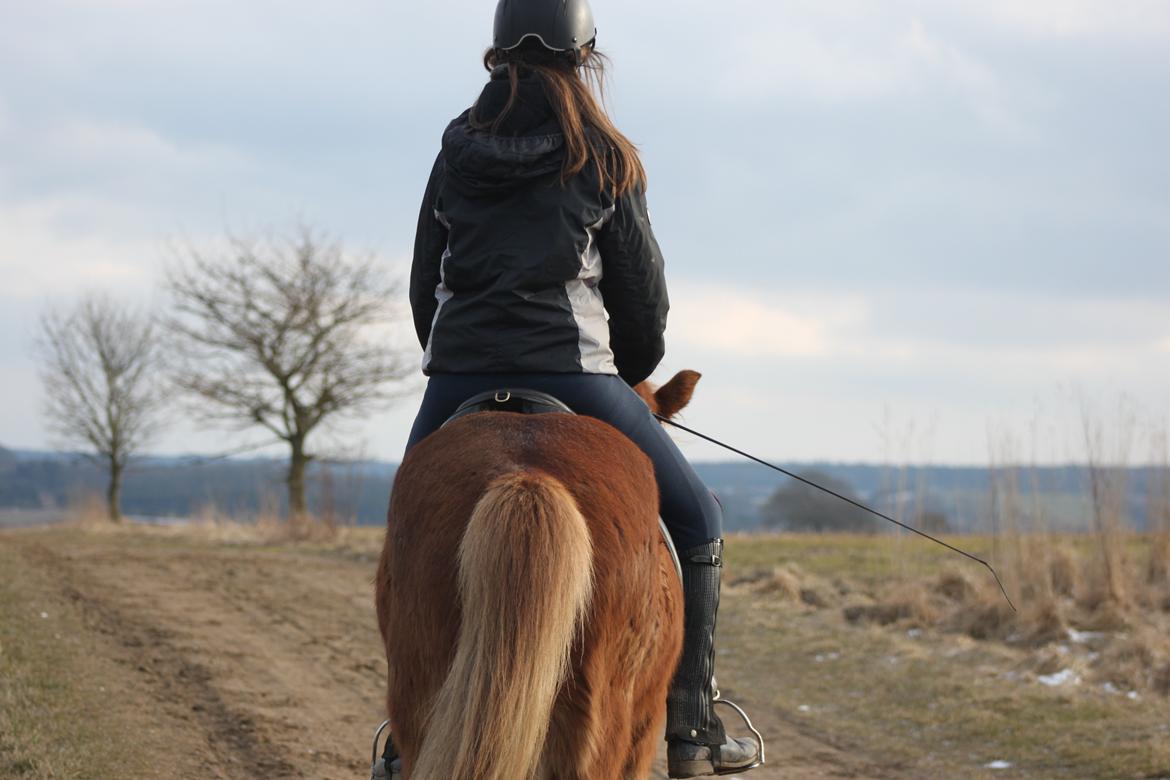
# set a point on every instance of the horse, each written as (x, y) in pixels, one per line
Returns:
(530, 608)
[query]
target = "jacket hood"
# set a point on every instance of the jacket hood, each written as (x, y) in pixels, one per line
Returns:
(527, 145)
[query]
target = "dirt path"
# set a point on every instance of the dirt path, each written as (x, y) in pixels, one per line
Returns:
(262, 664)
(254, 663)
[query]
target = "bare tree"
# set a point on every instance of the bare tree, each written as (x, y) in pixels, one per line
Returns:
(286, 334)
(103, 380)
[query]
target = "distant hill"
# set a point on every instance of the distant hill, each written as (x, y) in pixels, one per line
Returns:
(181, 487)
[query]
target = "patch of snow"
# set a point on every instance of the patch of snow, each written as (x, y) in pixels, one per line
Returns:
(914, 633)
(998, 764)
(1063, 649)
(804, 708)
(1063, 677)
(1111, 688)
(44, 616)
(822, 657)
(1081, 637)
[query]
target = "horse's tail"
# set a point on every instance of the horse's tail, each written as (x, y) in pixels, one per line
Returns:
(525, 578)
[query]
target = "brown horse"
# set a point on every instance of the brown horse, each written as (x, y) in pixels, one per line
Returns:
(530, 609)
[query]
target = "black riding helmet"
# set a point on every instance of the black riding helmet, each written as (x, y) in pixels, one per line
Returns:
(558, 25)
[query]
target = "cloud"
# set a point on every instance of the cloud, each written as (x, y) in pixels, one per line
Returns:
(881, 58)
(43, 253)
(88, 140)
(1125, 19)
(919, 327)
(78, 155)
(734, 321)
(921, 354)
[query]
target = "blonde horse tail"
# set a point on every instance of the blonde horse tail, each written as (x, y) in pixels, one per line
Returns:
(525, 579)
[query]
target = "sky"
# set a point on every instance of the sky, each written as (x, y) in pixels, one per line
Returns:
(893, 231)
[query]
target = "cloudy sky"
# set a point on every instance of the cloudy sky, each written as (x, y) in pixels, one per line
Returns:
(889, 227)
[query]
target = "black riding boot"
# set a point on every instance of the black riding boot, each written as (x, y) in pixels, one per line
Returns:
(697, 743)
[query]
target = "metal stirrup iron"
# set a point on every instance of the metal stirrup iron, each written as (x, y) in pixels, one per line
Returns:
(375, 754)
(756, 735)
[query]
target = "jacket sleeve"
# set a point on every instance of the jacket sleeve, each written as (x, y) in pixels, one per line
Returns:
(430, 241)
(633, 287)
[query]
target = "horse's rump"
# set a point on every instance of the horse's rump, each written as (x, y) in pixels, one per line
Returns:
(506, 532)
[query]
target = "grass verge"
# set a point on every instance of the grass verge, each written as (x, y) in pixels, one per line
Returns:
(56, 718)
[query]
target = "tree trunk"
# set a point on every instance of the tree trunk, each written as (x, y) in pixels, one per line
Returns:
(298, 460)
(114, 492)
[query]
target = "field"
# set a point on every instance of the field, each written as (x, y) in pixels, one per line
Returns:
(228, 652)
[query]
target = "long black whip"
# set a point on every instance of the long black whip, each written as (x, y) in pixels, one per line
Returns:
(847, 500)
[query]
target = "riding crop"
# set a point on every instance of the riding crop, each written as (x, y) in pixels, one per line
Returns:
(847, 500)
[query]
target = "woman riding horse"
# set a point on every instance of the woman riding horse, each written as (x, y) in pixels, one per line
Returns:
(535, 266)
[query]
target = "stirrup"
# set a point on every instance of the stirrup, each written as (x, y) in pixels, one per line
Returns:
(756, 735)
(375, 755)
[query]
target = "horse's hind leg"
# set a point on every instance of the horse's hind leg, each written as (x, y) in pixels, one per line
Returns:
(643, 748)
(613, 712)
(589, 738)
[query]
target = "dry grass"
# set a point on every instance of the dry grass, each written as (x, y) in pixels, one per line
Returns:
(210, 524)
(906, 604)
(1066, 609)
(931, 701)
(56, 720)
(88, 510)
(789, 582)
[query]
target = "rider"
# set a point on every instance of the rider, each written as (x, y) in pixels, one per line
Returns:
(535, 266)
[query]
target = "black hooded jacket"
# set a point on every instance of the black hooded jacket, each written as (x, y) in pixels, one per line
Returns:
(515, 272)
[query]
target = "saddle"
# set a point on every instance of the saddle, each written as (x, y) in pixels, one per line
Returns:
(519, 401)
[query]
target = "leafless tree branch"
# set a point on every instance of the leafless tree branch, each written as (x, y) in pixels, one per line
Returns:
(283, 334)
(101, 368)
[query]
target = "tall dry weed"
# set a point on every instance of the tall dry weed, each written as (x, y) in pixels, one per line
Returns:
(1158, 510)
(1064, 570)
(89, 510)
(1108, 453)
(1029, 561)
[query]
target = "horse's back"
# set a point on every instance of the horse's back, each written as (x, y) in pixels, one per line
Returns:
(605, 472)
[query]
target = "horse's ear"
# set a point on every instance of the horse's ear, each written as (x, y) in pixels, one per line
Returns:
(645, 391)
(673, 396)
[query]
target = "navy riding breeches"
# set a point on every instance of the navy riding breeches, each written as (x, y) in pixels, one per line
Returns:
(688, 508)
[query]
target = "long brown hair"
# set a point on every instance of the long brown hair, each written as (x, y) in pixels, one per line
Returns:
(575, 86)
